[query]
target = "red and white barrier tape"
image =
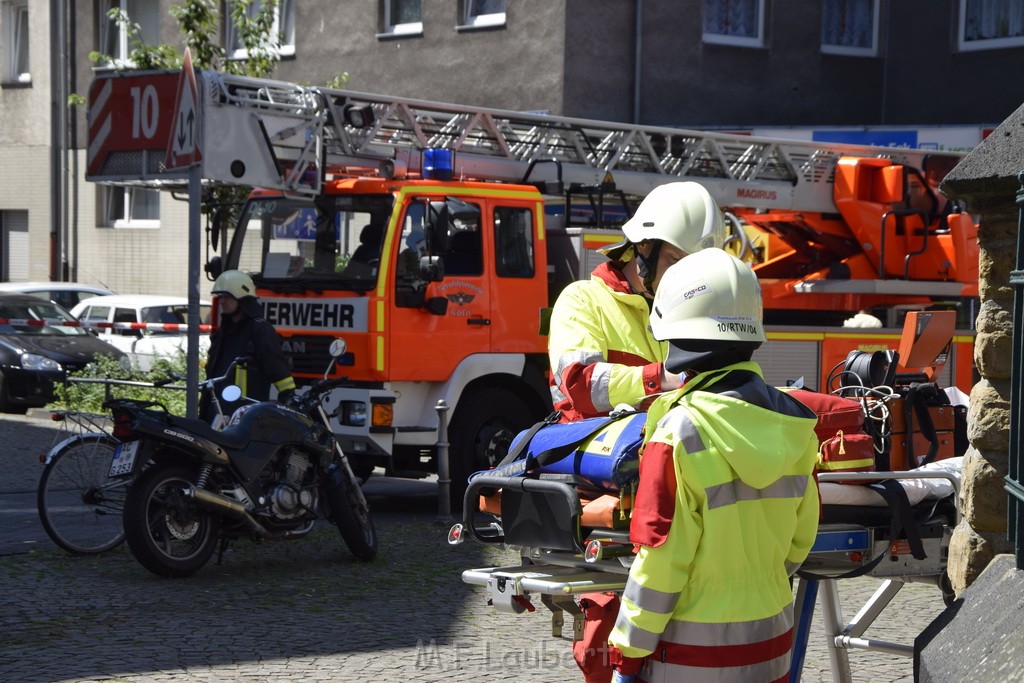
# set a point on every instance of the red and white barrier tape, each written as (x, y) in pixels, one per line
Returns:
(54, 322)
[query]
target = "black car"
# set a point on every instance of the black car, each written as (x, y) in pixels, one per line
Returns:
(36, 350)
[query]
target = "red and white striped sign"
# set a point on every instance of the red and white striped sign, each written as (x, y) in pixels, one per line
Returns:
(128, 113)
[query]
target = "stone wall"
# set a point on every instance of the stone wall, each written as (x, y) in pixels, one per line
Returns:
(987, 181)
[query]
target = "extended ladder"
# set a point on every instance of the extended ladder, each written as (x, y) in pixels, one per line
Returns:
(280, 135)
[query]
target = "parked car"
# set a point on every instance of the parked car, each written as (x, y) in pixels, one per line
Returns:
(35, 352)
(64, 294)
(143, 346)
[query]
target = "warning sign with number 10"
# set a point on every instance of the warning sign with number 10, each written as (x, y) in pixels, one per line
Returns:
(130, 118)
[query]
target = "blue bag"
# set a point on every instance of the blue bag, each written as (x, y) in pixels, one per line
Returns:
(604, 451)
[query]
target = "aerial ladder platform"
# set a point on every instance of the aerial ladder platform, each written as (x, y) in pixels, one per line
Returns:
(805, 200)
(291, 137)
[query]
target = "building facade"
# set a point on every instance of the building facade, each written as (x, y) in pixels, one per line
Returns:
(802, 66)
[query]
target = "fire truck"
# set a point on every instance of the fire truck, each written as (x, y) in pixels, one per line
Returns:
(433, 238)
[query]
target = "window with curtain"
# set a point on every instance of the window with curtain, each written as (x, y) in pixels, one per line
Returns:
(15, 18)
(483, 13)
(991, 24)
(733, 22)
(128, 207)
(849, 27)
(115, 40)
(284, 27)
(403, 17)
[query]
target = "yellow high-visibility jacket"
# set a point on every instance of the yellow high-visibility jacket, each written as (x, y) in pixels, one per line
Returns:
(600, 346)
(726, 511)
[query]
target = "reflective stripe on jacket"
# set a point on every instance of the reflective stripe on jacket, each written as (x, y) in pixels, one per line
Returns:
(600, 346)
(726, 510)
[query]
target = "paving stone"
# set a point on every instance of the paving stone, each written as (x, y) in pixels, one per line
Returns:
(305, 610)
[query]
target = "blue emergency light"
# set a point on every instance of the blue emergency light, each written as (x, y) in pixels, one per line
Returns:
(437, 164)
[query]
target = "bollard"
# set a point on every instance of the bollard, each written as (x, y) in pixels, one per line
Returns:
(444, 481)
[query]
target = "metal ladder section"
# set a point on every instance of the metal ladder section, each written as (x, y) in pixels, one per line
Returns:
(306, 127)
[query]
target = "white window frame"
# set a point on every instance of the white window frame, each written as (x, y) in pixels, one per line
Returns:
(410, 28)
(287, 46)
(850, 51)
(124, 218)
(15, 36)
(735, 41)
(1003, 8)
(471, 19)
(120, 53)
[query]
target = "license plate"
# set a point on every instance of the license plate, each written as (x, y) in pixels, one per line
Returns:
(124, 458)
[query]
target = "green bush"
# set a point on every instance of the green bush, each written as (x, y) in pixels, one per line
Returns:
(88, 397)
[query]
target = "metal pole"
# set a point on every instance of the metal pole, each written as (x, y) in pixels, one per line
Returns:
(806, 594)
(194, 244)
(1014, 480)
(58, 111)
(444, 482)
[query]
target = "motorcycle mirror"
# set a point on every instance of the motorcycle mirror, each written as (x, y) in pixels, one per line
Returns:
(231, 393)
(338, 348)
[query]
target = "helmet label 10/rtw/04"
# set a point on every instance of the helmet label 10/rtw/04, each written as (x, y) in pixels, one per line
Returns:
(306, 314)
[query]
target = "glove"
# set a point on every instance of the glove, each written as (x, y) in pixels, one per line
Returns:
(619, 677)
(286, 396)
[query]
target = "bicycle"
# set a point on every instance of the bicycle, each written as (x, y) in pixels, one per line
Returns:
(79, 504)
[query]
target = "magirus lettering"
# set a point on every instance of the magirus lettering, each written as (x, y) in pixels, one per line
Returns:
(754, 193)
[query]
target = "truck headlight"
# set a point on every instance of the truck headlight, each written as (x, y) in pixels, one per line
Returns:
(353, 413)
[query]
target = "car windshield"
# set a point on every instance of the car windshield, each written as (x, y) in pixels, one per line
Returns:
(335, 242)
(36, 318)
(172, 314)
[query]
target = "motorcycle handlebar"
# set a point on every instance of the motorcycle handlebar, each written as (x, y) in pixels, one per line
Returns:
(208, 384)
(316, 392)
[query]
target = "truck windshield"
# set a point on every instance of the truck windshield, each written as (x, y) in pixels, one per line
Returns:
(330, 242)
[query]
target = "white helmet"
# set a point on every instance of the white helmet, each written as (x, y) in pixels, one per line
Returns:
(684, 214)
(234, 282)
(709, 295)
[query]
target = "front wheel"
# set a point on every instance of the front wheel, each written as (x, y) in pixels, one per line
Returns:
(480, 433)
(79, 504)
(166, 531)
(350, 512)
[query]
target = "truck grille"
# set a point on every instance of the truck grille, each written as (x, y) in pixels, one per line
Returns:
(308, 354)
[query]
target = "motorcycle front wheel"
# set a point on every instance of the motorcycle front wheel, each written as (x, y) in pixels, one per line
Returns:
(351, 514)
(166, 531)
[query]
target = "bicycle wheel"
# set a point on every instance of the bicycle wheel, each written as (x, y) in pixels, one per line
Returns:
(79, 505)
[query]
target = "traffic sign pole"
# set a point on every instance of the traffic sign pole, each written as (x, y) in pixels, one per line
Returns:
(195, 198)
(184, 150)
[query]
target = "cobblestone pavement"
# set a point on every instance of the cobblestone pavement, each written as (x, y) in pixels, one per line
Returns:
(305, 610)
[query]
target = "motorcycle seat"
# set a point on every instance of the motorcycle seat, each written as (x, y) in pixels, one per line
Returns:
(235, 437)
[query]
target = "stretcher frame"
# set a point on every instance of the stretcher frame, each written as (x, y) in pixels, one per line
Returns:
(599, 562)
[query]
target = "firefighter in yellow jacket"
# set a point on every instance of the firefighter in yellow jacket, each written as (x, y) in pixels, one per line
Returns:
(600, 345)
(726, 508)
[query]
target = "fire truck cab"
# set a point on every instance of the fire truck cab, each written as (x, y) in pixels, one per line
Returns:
(437, 288)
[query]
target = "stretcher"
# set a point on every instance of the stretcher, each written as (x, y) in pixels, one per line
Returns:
(544, 518)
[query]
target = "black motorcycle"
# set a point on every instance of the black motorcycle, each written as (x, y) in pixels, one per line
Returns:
(270, 474)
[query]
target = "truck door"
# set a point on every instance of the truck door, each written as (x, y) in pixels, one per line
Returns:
(518, 279)
(425, 345)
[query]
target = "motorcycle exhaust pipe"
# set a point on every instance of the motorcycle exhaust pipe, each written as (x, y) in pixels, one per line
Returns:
(232, 508)
(226, 506)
